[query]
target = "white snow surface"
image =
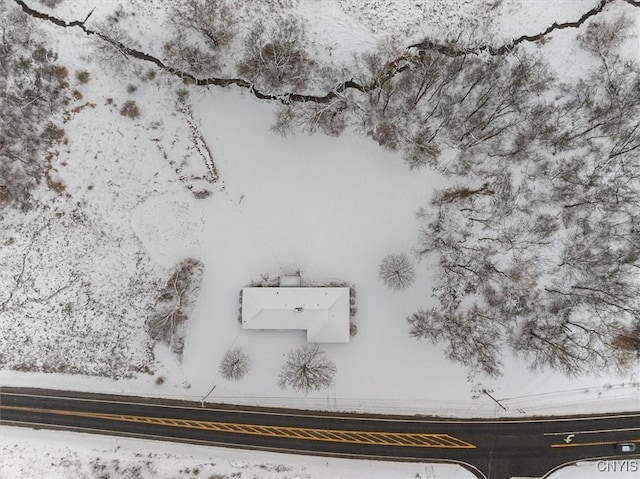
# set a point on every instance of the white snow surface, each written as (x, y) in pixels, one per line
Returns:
(490, 22)
(600, 469)
(329, 207)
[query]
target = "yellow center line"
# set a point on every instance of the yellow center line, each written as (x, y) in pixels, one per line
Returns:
(401, 439)
(601, 443)
(253, 429)
(425, 442)
(450, 440)
(197, 425)
(300, 433)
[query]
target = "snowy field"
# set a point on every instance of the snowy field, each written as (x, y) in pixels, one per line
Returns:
(328, 207)
(198, 173)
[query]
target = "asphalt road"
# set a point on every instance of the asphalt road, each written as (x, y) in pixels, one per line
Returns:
(492, 449)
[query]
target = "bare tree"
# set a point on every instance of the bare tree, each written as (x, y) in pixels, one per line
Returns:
(470, 336)
(421, 149)
(212, 20)
(396, 271)
(235, 364)
(275, 54)
(189, 56)
(307, 369)
(328, 118)
(33, 91)
(175, 302)
(603, 37)
(542, 260)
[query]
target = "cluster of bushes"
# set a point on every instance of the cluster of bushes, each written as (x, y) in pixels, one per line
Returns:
(174, 304)
(33, 91)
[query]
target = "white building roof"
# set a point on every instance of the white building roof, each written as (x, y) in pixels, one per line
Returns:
(322, 312)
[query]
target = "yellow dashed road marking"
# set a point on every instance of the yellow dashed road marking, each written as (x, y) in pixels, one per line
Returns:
(301, 433)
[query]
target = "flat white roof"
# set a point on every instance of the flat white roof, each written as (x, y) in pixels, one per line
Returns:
(322, 312)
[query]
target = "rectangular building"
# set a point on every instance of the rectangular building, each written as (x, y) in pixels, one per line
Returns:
(322, 312)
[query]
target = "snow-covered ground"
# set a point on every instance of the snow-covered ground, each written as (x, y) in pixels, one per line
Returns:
(328, 207)
(331, 208)
(599, 469)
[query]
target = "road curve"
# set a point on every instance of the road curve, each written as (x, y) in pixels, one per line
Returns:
(491, 449)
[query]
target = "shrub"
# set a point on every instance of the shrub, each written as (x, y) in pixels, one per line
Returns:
(60, 72)
(353, 329)
(51, 3)
(182, 96)
(130, 109)
(53, 133)
(83, 76)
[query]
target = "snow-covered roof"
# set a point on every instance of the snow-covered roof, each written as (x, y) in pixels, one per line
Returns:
(322, 312)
